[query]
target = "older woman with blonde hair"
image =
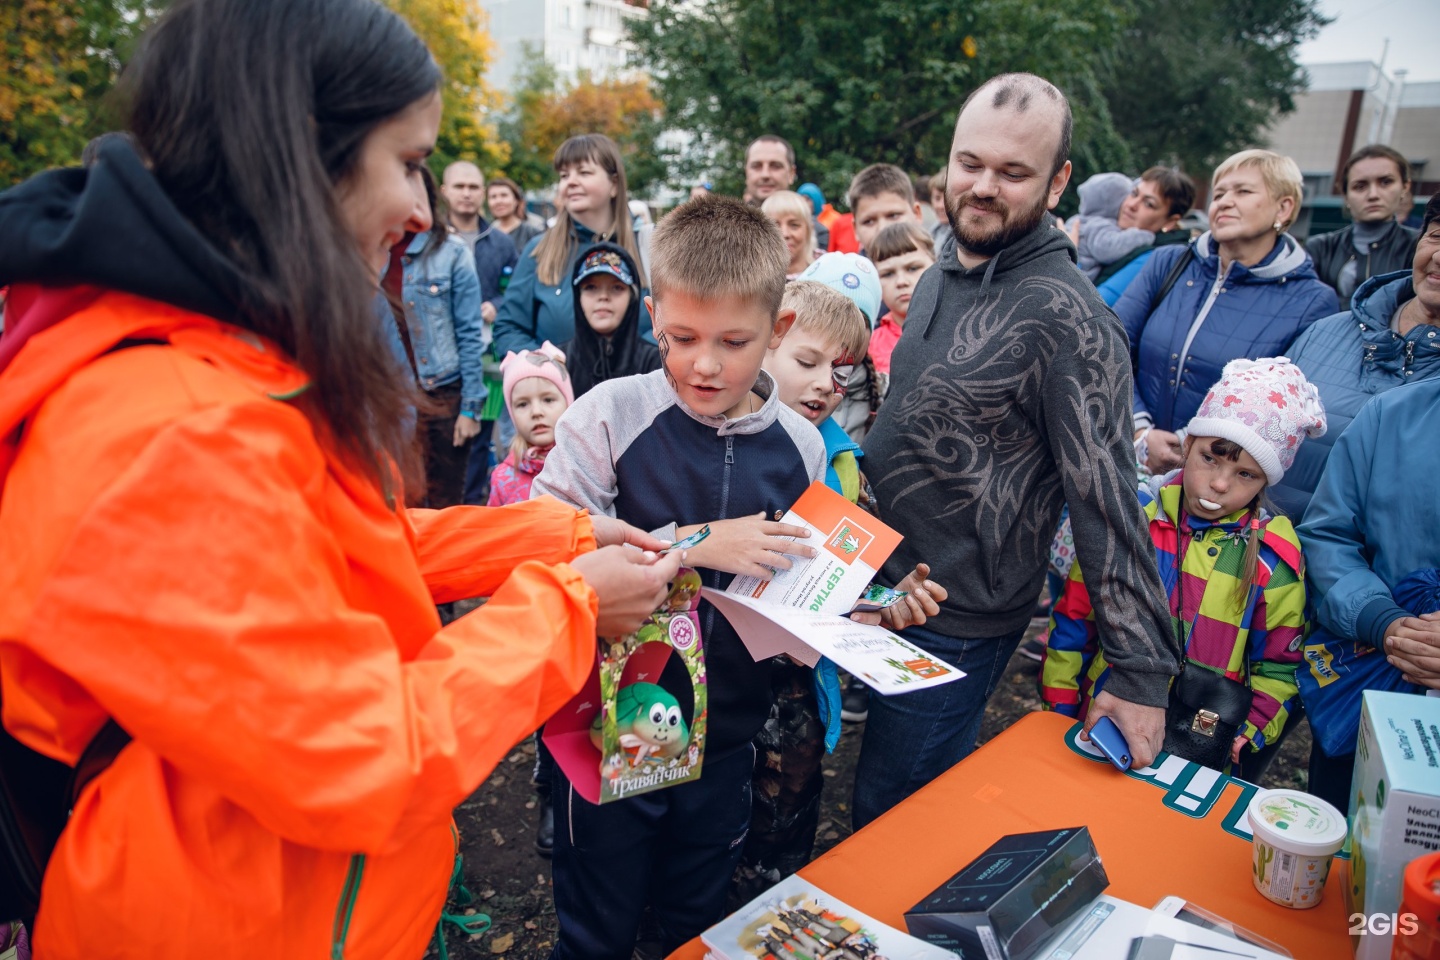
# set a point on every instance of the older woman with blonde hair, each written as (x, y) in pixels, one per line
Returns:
(1245, 288)
(792, 214)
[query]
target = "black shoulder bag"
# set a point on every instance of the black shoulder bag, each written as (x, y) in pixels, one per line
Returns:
(1181, 263)
(1206, 708)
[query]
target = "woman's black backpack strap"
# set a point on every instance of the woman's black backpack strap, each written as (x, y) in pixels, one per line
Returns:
(1171, 278)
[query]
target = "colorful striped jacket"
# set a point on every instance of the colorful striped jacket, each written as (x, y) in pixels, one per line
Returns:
(1267, 629)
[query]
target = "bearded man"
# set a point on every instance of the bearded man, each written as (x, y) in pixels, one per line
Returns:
(1009, 398)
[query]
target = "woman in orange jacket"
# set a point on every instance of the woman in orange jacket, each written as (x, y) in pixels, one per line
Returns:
(202, 435)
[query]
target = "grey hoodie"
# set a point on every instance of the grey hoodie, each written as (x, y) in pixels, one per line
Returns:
(1009, 398)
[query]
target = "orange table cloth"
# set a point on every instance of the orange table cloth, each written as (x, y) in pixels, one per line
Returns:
(1177, 832)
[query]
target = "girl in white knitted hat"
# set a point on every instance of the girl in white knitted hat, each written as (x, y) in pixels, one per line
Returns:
(1233, 572)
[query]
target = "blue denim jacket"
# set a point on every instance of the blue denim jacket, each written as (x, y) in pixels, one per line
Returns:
(442, 303)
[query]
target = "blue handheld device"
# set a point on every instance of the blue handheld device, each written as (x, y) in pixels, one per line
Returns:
(1111, 742)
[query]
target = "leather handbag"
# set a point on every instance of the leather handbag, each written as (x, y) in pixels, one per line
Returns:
(1204, 716)
(1206, 708)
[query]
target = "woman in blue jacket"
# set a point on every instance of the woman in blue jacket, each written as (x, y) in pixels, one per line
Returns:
(1386, 338)
(1243, 289)
(593, 203)
(1370, 527)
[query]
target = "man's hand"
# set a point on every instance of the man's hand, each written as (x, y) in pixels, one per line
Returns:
(749, 546)
(924, 600)
(1412, 645)
(610, 532)
(487, 312)
(1143, 727)
(1166, 452)
(465, 429)
(631, 585)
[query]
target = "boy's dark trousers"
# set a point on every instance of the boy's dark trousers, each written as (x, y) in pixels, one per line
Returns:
(674, 849)
(788, 779)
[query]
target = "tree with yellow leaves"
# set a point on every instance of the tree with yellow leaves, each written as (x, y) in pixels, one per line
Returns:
(455, 32)
(60, 60)
(548, 110)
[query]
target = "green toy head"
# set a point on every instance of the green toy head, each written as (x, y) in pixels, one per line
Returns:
(653, 715)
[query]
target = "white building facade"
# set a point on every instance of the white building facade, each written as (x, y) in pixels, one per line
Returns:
(573, 35)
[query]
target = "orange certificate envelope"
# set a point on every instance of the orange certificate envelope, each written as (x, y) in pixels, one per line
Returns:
(852, 545)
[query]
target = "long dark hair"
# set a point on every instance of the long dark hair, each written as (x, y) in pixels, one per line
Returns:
(439, 214)
(252, 112)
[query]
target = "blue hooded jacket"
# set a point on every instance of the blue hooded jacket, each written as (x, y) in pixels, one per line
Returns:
(1180, 348)
(1371, 522)
(1352, 357)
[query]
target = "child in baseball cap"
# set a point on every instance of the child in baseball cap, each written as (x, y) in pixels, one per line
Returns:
(607, 343)
(855, 277)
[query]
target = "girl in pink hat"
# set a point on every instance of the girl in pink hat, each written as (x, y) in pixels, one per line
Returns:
(537, 390)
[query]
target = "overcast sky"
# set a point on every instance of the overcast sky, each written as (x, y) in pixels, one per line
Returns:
(1360, 29)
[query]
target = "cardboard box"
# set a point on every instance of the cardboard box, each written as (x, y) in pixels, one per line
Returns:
(1013, 897)
(639, 722)
(1394, 808)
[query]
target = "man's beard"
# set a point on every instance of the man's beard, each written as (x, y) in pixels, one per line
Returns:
(986, 242)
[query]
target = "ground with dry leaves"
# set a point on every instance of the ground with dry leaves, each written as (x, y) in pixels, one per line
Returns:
(512, 884)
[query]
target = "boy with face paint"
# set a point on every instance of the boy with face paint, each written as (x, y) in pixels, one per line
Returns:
(812, 368)
(704, 440)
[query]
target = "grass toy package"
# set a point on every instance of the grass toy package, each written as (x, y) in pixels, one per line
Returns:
(639, 722)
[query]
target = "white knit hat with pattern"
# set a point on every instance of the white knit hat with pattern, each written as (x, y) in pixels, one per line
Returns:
(1267, 407)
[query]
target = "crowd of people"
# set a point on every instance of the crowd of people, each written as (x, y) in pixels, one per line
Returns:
(269, 406)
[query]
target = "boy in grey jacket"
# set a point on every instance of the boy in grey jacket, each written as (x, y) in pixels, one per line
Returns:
(705, 440)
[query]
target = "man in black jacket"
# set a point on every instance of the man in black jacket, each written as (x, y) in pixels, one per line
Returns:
(1376, 181)
(1009, 397)
(463, 186)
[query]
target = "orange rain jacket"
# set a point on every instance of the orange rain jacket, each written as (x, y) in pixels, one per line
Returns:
(182, 555)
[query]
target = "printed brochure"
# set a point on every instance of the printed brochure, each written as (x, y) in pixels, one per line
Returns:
(885, 661)
(803, 611)
(852, 546)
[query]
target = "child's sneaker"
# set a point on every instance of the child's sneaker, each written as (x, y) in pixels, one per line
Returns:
(854, 702)
(1034, 648)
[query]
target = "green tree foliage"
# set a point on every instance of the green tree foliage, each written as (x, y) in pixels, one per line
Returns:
(455, 31)
(850, 89)
(61, 58)
(1193, 81)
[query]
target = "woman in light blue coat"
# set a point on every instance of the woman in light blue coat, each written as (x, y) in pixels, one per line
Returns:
(1372, 521)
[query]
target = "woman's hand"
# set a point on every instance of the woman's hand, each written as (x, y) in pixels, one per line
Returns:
(610, 532)
(1236, 746)
(1412, 645)
(631, 585)
(1166, 452)
(749, 546)
(923, 600)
